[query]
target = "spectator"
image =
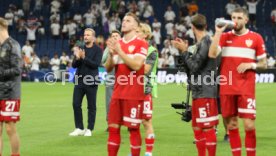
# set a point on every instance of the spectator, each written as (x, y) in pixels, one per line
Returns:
(169, 28)
(64, 30)
(252, 10)
(156, 24)
(169, 15)
(45, 63)
(193, 8)
(9, 17)
(181, 29)
(55, 6)
(64, 60)
(170, 61)
(89, 17)
(55, 17)
(148, 12)
(26, 5)
(35, 61)
(27, 49)
(55, 62)
(26, 62)
(72, 28)
(141, 6)
(157, 37)
(18, 13)
(230, 6)
(273, 16)
(55, 29)
(166, 48)
(273, 19)
(78, 18)
(31, 34)
(38, 6)
(161, 61)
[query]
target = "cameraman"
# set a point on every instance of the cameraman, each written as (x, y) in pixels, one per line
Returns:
(202, 71)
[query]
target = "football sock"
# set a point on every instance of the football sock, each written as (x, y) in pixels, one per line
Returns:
(149, 140)
(250, 142)
(200, 142)
(211, 141)
(14, 155)
(135, 141)
(235, 142)
(114, 140)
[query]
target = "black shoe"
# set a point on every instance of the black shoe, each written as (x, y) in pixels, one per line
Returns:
(226, 138)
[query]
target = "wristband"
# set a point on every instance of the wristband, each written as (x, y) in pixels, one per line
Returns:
(254, 66)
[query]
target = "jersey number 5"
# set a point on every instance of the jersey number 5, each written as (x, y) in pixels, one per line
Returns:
(202, 112)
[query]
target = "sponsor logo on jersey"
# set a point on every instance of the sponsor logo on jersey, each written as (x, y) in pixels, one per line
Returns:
(229, 41)
(248, 42)
(131, 48)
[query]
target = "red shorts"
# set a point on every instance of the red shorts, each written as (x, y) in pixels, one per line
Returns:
(147, 107)
(204, 112)
(9, 110)
(125, 112)
(243, 106)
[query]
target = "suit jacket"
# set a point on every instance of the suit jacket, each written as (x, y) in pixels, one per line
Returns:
(88, 67)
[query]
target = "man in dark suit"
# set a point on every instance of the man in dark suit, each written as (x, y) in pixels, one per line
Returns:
(87, 60)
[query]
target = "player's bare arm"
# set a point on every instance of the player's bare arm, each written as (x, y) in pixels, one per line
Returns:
(214, 50)
(261, 64)
(109, 64)
(147, 68)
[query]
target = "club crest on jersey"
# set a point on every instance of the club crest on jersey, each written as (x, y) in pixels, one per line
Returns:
(248, 42)
(131, 48)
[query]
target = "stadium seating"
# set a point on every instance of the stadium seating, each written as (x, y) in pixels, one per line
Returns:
(211, 8)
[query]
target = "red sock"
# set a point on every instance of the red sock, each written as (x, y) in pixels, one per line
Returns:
(14, 155)
(235, 141)
(135, 141)
(200, 142)
(114, 140)
(211, 142)
(149, 140)
(250, 142)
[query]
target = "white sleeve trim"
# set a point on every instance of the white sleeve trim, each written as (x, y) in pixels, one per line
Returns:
(261, 56)
(140, 55)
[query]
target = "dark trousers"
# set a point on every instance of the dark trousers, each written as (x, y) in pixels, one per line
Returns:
(91, 94)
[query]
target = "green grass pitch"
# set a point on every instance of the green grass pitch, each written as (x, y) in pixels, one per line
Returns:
(47, 118)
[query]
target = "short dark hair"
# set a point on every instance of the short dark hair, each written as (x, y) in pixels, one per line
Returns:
(241, 10)
(199, 22)
(134, 16)
(115, 31)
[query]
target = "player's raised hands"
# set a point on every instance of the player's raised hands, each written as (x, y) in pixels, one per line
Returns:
(180, 44)
(114, 46)
(221, 29)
